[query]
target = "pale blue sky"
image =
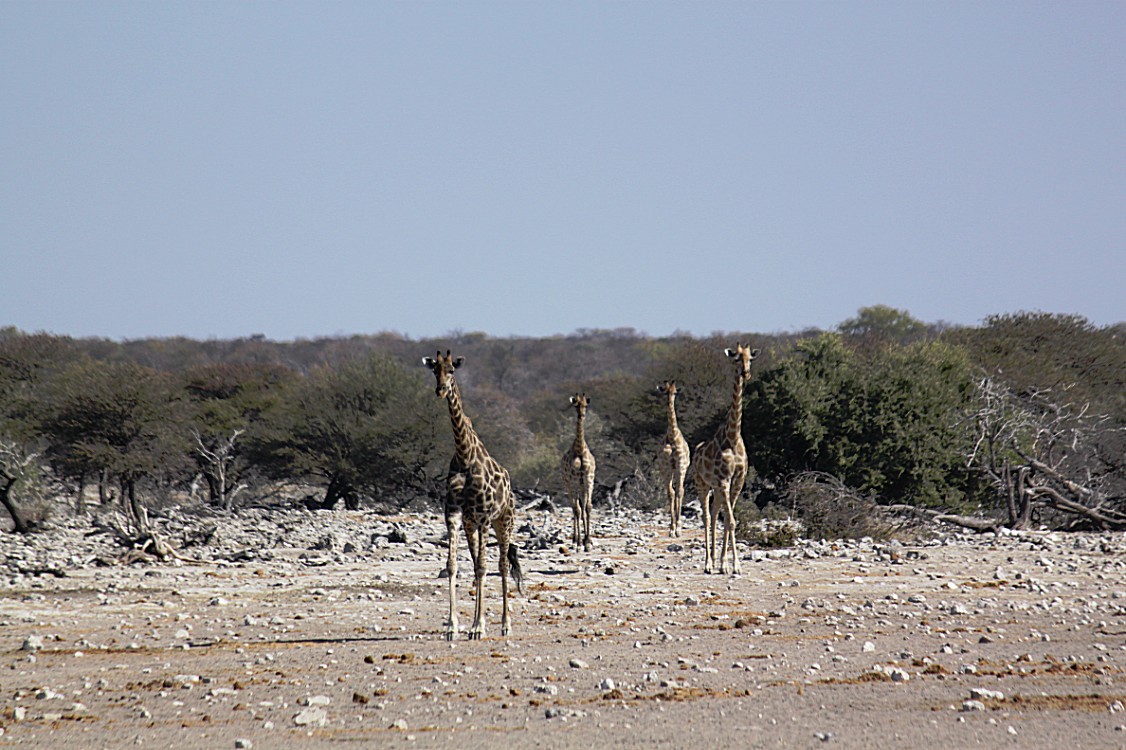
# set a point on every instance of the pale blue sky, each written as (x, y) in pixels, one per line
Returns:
(302, 169)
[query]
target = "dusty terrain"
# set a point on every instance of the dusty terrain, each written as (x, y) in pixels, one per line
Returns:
(325, 630)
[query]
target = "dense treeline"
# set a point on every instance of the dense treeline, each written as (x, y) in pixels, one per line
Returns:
(1018, 420)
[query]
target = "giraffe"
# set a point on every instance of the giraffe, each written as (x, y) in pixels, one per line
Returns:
(478, 494)
(721, 467)
(577, 468)
(673, 459)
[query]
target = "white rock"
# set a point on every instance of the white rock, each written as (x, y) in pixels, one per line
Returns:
(315, 716)
(984, 694)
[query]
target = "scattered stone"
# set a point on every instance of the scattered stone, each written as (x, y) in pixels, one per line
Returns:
(315, 716)
(984, 694)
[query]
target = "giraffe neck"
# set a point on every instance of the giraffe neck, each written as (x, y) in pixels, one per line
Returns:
(733, 429)
(673, 428)
(465, 439)
(580, 436)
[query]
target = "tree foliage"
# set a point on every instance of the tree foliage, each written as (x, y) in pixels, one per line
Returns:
(363, 428)
(116, 421)
(883, 324)
(883, 421)
(886, 406)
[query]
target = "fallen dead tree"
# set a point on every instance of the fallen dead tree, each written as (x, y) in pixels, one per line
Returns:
(143, 544)
(974, 523)
(1050, 457)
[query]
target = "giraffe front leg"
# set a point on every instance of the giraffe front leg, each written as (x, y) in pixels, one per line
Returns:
(587, 543)
(671, 492)
(679, 503)
(576, 522)
(502, 544)
(729, 536)
(477, 541)
(451, 573)
(709, 531)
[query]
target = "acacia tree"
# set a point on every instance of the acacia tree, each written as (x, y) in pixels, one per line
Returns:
(226, 401)
(360, 429)
(117, 421)
(883, 323)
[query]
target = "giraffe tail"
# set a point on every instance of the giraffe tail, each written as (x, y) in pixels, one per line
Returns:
(514, 568)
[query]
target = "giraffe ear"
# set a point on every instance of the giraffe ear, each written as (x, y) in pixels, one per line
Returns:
(458, 362)
(729, 352)
(754, 353)
(428, 362)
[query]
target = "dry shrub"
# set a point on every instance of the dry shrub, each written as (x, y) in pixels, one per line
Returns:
(832, 510)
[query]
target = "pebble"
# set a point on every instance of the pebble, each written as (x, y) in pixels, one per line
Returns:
(657, 613)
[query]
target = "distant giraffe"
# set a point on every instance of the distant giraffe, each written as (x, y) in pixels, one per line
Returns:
(577, 469)
(478, 494)
(721, 467)
(673, 459)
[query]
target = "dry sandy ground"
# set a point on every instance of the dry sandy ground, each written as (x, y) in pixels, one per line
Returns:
(847, 645)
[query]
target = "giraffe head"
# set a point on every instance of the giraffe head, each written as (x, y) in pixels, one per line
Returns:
(443, 369)
(580, 402)
(668, 388)
(742, 356)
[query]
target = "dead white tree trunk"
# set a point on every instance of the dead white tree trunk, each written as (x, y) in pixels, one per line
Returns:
(219, 460)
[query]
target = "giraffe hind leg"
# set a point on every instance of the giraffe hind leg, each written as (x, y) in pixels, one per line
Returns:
(502, 529)
(709, 530)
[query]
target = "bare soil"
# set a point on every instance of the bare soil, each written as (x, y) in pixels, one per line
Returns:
(839, 645)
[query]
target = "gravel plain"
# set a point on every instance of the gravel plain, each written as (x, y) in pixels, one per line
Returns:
(290, 628)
